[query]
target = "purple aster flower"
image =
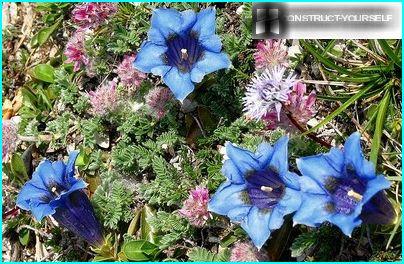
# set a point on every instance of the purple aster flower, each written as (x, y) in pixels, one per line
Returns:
(10, 139)
(157, 99)
(127, 73)
(93, 14)
(54, 191)
(104, 99)
(267, 92)
(244, 252)
(259, 190)
(75, 50)
(182, 47)
(336, 186)
(270, 53)
(195, 208)
(298, 105)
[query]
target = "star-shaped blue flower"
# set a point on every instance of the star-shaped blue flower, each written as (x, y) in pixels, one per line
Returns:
(53, 190)
(335, 186)
(259, 190)
(182, 48)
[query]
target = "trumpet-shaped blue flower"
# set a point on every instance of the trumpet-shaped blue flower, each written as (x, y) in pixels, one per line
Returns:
(182, 48)
(54, 191)
(336, 186)
(259, 190)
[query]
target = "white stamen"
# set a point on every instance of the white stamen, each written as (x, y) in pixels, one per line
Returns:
(184, 54)
(54, 189)
(266, 189)
(355, 195)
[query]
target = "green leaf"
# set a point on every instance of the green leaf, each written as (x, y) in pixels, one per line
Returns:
(341, 108)
(201, 255)
(389, 52)
(44, 34)
(380, 120)
(147, 232)
(43, 72)
(24, 236)
(18, 168)
(303, 243)
(140, 250)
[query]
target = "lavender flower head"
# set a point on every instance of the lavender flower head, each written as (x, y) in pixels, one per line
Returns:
(54, 191)
(93, 14)
(75, 50)
(10, 139)
(267, 92)
(299, 106)
(129, 76)
(104, 99)
(244, 252)
(270, 53)
(157, 100)
(195, 208)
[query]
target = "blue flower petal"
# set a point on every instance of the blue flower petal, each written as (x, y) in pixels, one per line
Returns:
(78, 185)
(309, 185)
(264, 154)
(291, 180)
(312, 211)
(227, 197)
(205, 25)
(161, 70)
(238, 214)
(354, 156)
(279, 161)
(210, 62)
(276, 219)
(30, 192)
(167, 20)
(231, 172)
(318, 168)
(48, 175)
(188, 20)
(374, 186)
(154, 35)
(60, 168)
(179, 83)
(256, 225)
(150, 56)
(345, 222)
(243, 159)
(335, 158)
(290, 202)
(70, 165)
(40, 210)
(212, 43)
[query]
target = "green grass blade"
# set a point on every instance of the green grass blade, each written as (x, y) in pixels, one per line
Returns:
(393, 233)
(389, 52)
(327, 62)
(329, 46)
(377, 135)
(342, 108)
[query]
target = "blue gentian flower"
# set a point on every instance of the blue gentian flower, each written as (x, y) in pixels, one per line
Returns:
(54, 191)
(259, 190)
(335, 186)
(182, 48)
